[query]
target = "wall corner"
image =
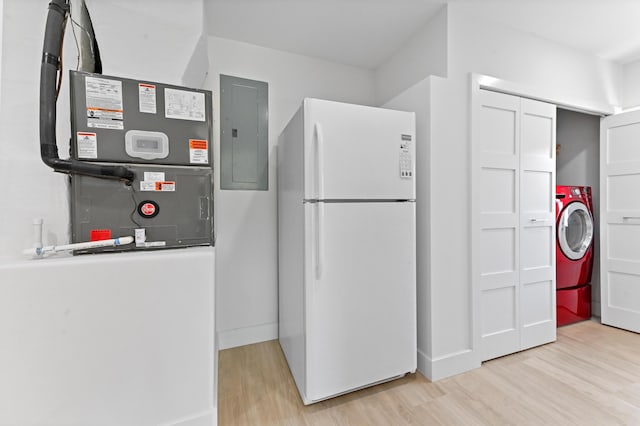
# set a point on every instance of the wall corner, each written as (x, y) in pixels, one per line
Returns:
(424, 53)
(197, 68)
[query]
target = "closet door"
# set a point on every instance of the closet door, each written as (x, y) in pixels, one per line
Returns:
(620, 220)
(495, 191)
(537, 223)
(513, 241)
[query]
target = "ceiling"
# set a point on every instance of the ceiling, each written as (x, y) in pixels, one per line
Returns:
(365, 33)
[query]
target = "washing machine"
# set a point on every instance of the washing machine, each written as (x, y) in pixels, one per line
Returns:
(574, 253)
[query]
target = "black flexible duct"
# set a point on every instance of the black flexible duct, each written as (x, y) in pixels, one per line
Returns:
(54, 33)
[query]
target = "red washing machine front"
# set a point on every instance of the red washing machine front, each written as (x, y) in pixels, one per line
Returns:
(574, 253)
(574, 236)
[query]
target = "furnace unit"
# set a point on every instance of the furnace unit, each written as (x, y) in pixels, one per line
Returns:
(163, 134)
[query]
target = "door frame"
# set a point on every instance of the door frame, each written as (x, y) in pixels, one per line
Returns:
(479, 82)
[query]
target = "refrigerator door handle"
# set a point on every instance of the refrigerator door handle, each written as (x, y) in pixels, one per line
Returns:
(319, 161)
(319, 239)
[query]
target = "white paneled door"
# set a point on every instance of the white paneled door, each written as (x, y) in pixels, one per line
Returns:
(513, 223)
(496, 238)
(620, 223)
(537, 223)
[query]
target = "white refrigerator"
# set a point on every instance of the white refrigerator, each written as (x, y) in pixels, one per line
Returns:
(347, 247)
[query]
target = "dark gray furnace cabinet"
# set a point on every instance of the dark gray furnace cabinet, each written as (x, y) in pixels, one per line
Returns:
(163, 133)
(244, 134)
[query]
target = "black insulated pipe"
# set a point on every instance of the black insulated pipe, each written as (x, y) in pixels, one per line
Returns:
(53, 35)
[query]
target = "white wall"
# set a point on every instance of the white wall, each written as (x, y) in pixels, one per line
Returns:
(19, 150)
(417, 99)
(147, 39)
(115, 347)
(142, 39)
(1, 20)
(631, 85)
(578, 163)
(425, 53)
(246, 221)
(3, 161)
(197, 69)
(488, 48)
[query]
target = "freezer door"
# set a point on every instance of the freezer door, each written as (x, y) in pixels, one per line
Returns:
(358, 152)
(360, 295)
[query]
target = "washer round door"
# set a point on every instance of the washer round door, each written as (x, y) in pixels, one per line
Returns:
(575, 230)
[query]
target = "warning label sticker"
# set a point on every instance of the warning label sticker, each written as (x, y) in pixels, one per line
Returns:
(147, 98)
(184, 105)
(198, 151)
(156, 186)
(166, 186)
(87, 145)
(104, 103)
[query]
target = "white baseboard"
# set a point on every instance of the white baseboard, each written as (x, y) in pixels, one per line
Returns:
(247, 335)
(209, 418)
(448, 365)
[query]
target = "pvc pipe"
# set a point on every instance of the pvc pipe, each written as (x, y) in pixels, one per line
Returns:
(41, 251)
(37, 232)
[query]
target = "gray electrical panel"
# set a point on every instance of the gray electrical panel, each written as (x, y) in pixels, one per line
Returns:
(244, 138)
(163, 133)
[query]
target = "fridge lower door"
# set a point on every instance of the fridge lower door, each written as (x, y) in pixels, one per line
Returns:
(360, 295)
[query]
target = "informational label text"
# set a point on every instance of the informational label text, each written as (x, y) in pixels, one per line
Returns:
(104, 103)
(184, 105)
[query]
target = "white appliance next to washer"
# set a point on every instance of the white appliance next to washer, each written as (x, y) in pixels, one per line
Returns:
(347, 247)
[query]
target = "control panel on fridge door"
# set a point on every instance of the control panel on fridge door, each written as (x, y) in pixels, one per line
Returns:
(406, 159)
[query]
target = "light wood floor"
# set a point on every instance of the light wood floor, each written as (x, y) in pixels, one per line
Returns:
(590, 376)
